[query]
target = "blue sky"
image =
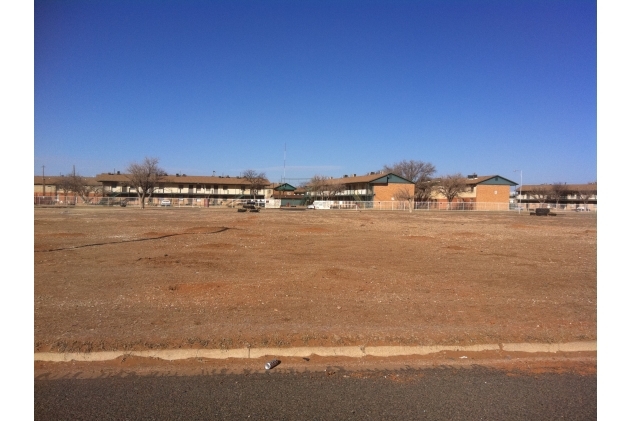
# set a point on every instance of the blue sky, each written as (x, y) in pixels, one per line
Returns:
(345, 86)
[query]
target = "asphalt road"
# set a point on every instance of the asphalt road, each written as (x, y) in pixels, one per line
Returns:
(412, 394)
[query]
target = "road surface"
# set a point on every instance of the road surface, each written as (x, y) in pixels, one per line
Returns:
(446, 393)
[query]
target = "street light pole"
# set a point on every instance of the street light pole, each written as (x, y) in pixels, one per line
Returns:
(520, 184)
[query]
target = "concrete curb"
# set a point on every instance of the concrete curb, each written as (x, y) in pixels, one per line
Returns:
(342, 351)
(564, 347)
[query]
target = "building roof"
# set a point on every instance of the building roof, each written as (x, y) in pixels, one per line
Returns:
(179, 179)
(568, 187)
(371, 178)
(52, 180)
(283, 187)
(492, 180)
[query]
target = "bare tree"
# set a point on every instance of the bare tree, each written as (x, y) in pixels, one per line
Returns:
(64, 185)
(256, 181)
(412, 170)
(407, 195)
(424, 189)
(451, 186)
(541, 193)
(557, 190)
(79, 185)
(334, 189)
(317, 186)
(419, 172)
(585, 193)
(144, 177)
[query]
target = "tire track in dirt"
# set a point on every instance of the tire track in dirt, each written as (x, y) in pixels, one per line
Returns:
(132, 241)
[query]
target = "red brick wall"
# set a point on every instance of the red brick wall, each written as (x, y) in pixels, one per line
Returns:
(385, 193)
(492, 194)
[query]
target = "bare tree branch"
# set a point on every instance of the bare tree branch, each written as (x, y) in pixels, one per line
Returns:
(407, 195)
(144, 177)
(451, 186)
(64, 184)
(424, 189)
(585, 193)
(541, 193)
(334, 189)
(317, 186)
(412, 170)
(557, 190)
(79, 185)
(419, 173)
(256, 181)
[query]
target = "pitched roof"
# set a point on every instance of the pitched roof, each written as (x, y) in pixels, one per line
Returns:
(489, 179)
(52, 180)
(183, 179)
(568, 187)
(369, 178)
(283, 187)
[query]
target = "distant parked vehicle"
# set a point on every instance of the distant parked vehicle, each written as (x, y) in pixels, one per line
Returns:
(165, 202)
(580, 209)
(310, 206)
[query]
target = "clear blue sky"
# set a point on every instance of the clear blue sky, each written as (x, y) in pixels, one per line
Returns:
(348, 86)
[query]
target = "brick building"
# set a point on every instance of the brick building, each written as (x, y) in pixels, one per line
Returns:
(373, 187)
(493, 191)
(560, 196)
(185, 186)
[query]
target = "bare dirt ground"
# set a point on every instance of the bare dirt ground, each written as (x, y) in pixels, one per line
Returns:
(131, 279)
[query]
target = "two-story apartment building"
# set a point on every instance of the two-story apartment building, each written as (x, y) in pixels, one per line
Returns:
(184, 186)
(373, 187)
(55, 189)
(492, 192)
(563, 196)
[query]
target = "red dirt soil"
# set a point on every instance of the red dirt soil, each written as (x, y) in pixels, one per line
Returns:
(132, 279)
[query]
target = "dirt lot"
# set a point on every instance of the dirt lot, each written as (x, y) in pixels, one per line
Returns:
(131, 279)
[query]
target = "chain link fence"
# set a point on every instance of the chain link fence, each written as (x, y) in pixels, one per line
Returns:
(394, 205)
(149, 201)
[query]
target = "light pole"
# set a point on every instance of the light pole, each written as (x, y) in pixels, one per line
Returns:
(520, 183)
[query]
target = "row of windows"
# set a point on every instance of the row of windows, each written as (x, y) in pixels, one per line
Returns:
(190, 187)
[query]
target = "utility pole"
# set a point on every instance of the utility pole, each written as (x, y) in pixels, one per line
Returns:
(43, 182)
